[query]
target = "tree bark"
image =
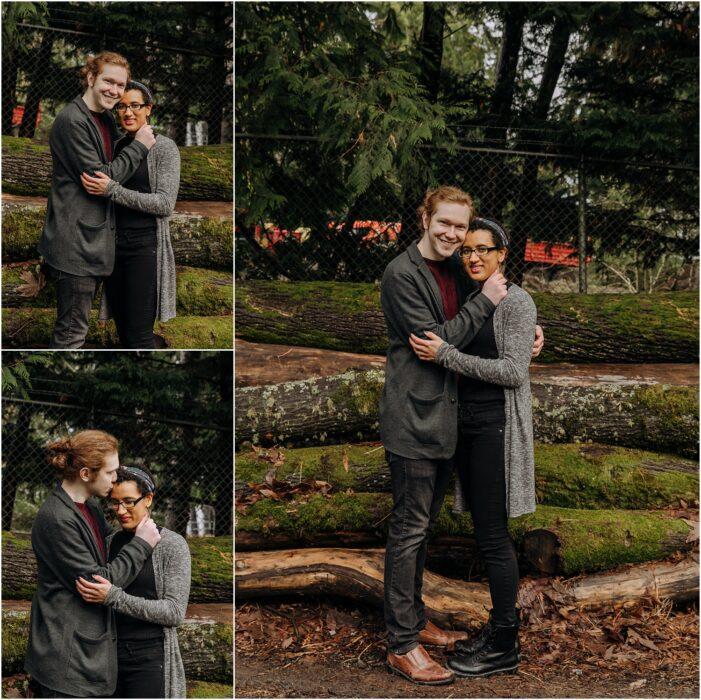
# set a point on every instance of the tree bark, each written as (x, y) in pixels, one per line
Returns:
(205, 647)
(211, 568)
(36, 87)
(10, 69)
(592, 328)
(577, 540)
(358, 575)
(206, 172)
(569, 476)
(344, 408)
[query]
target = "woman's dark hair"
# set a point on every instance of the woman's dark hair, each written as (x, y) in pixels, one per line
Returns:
(499, 237)
(145, 92)
(140, 475)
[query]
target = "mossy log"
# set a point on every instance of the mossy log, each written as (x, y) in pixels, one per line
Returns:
(659, 327)
(584, 540)
(344, 407)
(206, 647)
(206, 172)
(570, 476)
(211, 568)
(32, 328)
(205, 689)
(358, 574)
(197, 240)
(199, 292)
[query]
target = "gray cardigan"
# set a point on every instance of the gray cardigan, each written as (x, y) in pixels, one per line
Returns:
(163, 162)
(78, 234)
(171, 568)
(72, 644)
(418, 405)
(514, 329)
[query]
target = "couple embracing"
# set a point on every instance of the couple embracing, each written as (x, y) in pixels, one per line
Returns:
(107, 214)
(104, 615)
(456, 397)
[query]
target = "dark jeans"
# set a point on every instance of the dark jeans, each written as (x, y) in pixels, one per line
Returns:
(74, 298)
(131, 288)
(480, 466)
(418, 488)
(140, 669)
(37, 690)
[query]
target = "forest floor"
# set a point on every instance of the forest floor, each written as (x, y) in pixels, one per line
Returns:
(321, 648)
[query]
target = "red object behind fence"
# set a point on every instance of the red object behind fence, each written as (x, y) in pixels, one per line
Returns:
(18, 113)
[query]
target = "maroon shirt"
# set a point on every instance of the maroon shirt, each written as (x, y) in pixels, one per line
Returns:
(94, 526)
(445, 278)
(101, 120)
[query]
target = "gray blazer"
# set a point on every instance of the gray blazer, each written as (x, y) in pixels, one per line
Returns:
(171, 568)
(163, 162)
(78, 234)
(514, 329)
(418, 406)
(73, 644)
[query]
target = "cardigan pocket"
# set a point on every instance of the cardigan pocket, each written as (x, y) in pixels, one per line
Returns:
(89, 659)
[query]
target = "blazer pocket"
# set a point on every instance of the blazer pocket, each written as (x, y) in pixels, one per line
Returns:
(90, 658)
(425, 418)
(92, 240)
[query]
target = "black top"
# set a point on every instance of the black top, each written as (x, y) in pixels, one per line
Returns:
(131, 218)
(475, 390)
(143, 586)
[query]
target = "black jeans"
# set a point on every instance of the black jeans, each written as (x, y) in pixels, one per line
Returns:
(480, 467)
(140, 671)
(418, 488)
(74, 298)
(37, 690)
(131, 288)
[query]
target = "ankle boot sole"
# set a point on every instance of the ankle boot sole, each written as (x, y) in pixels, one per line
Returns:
(509, 669)
(406, 676)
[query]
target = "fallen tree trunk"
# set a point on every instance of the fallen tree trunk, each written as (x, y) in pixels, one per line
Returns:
(344, 407)
(206, 172)
(212, 578)
(197, 240)
(199, 292)
(570, 476)
(32, 328)
(358, 574)
(660, 327)
(206, 647)
(577, 540)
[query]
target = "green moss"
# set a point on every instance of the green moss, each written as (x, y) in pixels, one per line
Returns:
(32, 328)
(22, 227)
(15, 634)
(212, 562)
(204, 689)
(203, 292)
(360, 394)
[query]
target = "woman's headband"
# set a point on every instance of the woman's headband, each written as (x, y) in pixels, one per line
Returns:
(140, 86)
(492, 226)
(135, 471)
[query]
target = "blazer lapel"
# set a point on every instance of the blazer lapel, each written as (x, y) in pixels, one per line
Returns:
(96, 132)
(66, 499)
(416, 257)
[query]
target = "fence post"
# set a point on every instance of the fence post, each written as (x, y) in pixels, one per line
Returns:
(582, 196)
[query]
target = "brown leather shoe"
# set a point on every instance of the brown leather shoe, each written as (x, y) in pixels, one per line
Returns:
(435, 636)
(418, 667)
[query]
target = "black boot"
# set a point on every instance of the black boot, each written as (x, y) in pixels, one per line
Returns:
(500, 652)
(470, 646)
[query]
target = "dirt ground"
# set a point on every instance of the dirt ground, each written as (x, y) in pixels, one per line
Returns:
(328, 648)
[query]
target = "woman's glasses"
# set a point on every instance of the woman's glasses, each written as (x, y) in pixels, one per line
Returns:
(128, 503)
(481, 251)
(133, 106)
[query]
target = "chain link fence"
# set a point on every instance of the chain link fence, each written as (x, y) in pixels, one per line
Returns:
(192, 463)
(576, 224)
(192, 82)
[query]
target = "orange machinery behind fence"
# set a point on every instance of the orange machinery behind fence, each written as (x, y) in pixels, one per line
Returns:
(18, 113)
(543, 253)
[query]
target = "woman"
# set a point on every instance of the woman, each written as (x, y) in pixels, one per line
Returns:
(141, 287)
(495, 462)
(147, 610)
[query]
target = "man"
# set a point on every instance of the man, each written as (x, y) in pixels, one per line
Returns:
(72, 649)
(77, 242)
(424, 288)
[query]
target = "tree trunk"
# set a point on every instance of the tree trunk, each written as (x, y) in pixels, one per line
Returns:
(36, 88)
(10, 69)
(594, 328)
(569, 476)
(344, 408)
(16, 452)
(579, 539)
(358, 575)
(211, 568)
(206, 172)
(31, 328)
(197, 241)
(206, 647)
